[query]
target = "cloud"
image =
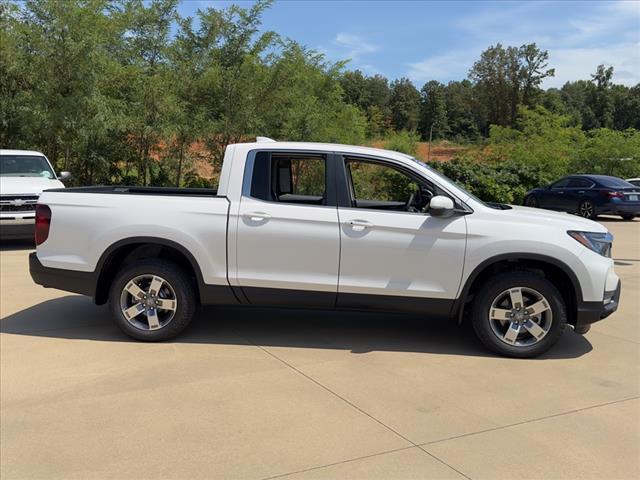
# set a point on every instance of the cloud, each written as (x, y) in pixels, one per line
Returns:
(354, 44)
(348, 46)
(580, 63)
(444, 67)
(596, 33)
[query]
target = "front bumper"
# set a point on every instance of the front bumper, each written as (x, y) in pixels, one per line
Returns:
(591, 312)
(16, 229)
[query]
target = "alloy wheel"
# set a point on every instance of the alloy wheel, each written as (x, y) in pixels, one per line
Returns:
(520, 316)
(586, 209)
(148, 302)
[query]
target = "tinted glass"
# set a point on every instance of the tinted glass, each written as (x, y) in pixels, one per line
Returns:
(580, 183)
(613, 182)
(561, 183)
(25, 166)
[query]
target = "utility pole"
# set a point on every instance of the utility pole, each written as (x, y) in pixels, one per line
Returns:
(430, 138)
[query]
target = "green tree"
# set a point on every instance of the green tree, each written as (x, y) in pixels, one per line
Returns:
(405, 105)
(508, 77)
(433, 111)
(464, 117)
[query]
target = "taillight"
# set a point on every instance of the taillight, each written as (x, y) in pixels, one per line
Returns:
(43, 221)
(614, 194)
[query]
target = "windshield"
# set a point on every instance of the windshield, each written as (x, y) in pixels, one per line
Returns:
(25, 166)
(447, 179)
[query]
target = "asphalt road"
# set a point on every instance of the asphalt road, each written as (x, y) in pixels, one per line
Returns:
(249, 393)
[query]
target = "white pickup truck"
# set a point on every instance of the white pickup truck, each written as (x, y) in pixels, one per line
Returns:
(327, 226)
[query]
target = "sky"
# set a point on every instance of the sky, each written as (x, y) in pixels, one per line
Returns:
(441, 40)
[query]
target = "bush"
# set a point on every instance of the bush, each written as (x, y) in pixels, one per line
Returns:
(403, 141)
(504, 182)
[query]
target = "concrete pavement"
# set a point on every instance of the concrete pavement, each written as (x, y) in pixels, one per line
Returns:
(248, 393)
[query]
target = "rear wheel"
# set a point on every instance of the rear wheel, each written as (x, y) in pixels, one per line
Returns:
(531, 201)
(627, 217)
(518, 314)
(586, 209)
(152, 300)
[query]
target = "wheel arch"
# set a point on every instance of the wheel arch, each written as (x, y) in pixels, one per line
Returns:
(559, 273)
(135, 248)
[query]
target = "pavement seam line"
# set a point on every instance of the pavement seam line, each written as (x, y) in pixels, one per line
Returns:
(355, 459)
(533, 420)
(617, 338)
(354, 406)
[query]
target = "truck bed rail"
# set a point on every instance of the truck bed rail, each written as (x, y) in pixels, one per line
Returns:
(133, 190)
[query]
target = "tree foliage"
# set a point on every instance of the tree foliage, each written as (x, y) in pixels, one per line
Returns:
(129, 91)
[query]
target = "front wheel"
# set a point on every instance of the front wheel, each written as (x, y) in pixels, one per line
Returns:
(531, 201)
(152, 300)
(518, 314)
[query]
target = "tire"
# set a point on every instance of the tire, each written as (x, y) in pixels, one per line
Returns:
(160, 315)
(587, 210)
(627, 217)
(531, 201)
(535, 334)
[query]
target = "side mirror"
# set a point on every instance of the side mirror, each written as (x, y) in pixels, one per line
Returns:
(441, 206)
(64, 176)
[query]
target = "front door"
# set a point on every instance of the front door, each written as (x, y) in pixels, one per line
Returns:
(288, 240)
(393, 253)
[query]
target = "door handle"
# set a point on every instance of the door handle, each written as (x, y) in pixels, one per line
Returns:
(581, 191)
(257, 216)
(560, 193)
(359, 225)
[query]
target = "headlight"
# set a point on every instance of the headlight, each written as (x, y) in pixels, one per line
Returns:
(597, 242)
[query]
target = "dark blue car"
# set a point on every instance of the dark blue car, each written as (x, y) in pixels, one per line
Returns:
(588, 196)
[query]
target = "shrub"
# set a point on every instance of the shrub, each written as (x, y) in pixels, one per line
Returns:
(403, 141)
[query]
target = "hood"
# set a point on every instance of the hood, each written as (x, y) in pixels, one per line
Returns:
(548, 217)
(27, 185)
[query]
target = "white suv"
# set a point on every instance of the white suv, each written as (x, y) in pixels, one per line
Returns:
(24, 174)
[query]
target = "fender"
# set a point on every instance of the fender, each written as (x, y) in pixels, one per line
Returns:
(458, 306)
(208, 294)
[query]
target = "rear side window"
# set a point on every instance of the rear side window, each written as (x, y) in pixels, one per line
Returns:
(289, 178)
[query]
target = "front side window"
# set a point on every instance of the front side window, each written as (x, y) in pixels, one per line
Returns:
(287, 178)
(25, 166)
(381, 186)
(561, 183)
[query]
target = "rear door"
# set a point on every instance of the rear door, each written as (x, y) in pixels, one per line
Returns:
(288, 240)
(579, 189)
(393, 254)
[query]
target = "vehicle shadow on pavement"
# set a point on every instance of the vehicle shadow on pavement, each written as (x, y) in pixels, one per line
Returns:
(77, 318)
(12, 245)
